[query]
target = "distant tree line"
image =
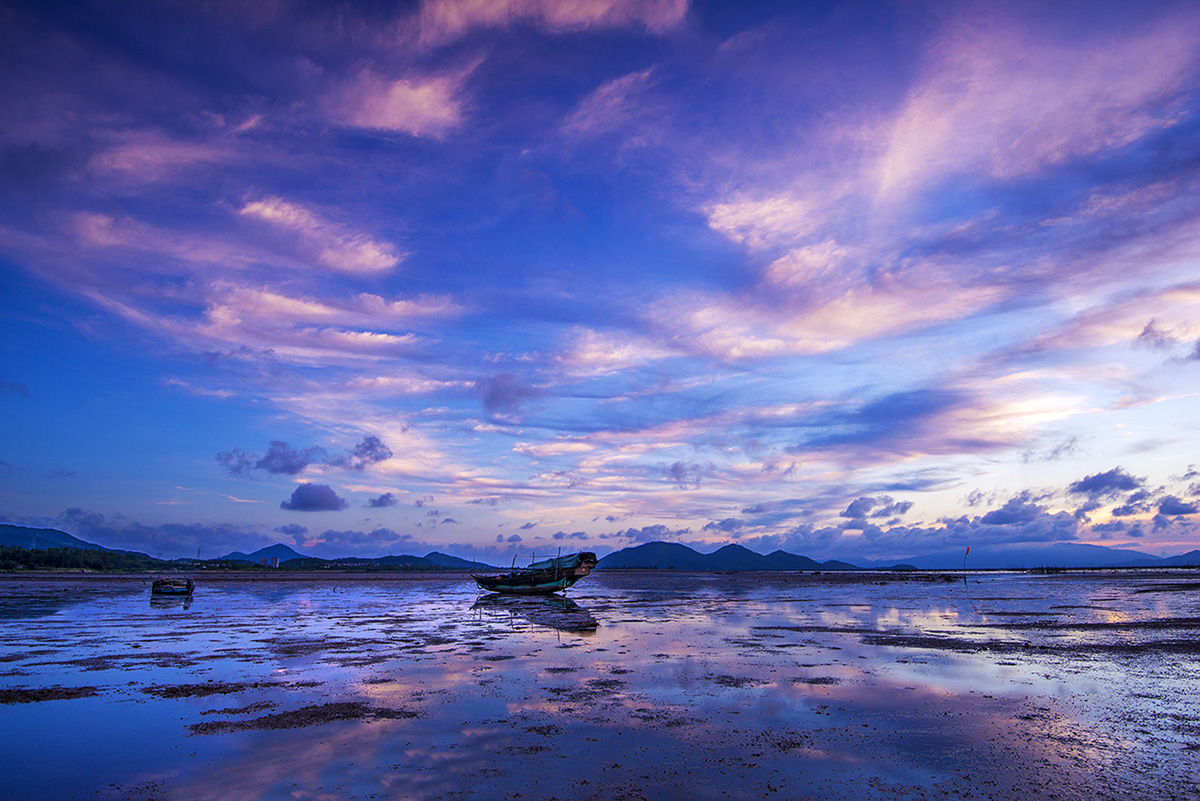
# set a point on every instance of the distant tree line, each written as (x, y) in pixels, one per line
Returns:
(13, 558)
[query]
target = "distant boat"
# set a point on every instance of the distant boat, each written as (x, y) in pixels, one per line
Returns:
(172, 586)
(540, 578)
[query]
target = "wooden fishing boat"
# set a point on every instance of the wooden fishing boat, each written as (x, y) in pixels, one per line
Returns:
(540, 578)
(172, 586)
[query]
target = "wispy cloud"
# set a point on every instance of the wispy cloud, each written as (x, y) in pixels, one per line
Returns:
(998, 98)
(618, 106)
(444, 20)
(331, 244)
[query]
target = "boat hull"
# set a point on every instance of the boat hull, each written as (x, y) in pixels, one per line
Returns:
(518, 585)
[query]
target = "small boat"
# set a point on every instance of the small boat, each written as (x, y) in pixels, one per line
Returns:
(172, 586)
(540, 578)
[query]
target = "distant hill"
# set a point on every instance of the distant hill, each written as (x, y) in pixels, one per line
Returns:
(662, 555)
(1025, 557)
(277, 551)
(353, 562)
(454, 563)
(403, 561)
(1189, 559)
(673, 556)
(42, 538)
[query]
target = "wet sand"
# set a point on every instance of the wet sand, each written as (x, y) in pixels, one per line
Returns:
(641, 685)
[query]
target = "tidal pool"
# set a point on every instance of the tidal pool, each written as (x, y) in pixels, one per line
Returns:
(644, 685)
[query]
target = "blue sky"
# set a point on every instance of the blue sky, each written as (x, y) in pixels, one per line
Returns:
(855, 280)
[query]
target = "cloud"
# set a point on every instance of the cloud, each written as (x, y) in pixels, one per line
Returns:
(763, 223)
(729, 525)
(370, 451)
(1016, 511)
(292, 529)
(1019, 520)
(655, 533)
(506, 393)
(427, 105)
(280, 459)
(686, 475)
(882, 506)
(1107, 484)
(595, 354)
(1154, 338)
(574, 535)
(442, 21)
(616, 106)
(773, 320)
(314, 498)
(929, 419)
(1066, 448)
(1005, 101)
(383, 501)
(283, 459)
(135, 158)
(1171, 505)
(329, 244)
(335, 543)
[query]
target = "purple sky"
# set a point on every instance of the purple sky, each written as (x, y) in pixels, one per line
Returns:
(855, 280)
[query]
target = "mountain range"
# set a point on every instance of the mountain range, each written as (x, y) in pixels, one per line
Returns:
(674, 556)
(290, 558)
(1026, 557)
(41, 538)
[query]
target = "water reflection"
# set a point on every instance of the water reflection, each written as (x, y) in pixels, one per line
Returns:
(549, 611)
(28, 599)
(170, 602)
(696, 686)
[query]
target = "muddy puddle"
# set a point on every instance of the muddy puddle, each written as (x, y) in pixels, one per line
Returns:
(640, 685)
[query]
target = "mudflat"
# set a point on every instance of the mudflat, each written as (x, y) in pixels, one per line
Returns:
(641, 684)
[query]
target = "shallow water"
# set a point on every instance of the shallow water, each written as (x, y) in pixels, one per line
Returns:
(643, 685)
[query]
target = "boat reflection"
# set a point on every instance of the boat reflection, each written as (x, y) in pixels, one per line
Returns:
(549, 611)
(170, 601)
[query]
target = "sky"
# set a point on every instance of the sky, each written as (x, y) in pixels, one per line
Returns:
(854, 280)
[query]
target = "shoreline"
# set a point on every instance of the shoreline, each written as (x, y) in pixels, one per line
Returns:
(401, 576)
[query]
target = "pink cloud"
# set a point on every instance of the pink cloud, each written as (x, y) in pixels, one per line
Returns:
(766, 222)
(593, 354)
(998, 99)
(148, 156)
(442, 21)
(415, 105)
(331, 244)
(817, 317)
(304, 329)
(615, 105)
